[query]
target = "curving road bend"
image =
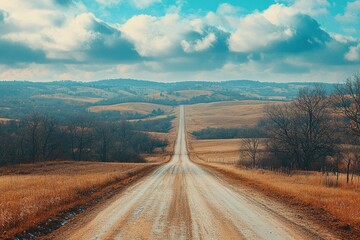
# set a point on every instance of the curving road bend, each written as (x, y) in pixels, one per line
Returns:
(181, 200)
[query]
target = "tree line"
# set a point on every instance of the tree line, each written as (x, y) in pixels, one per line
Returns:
(314, 132)
(39, 137)
(230, 133)
(162, 125)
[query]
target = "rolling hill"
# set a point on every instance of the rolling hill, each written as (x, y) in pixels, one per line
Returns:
(64, 98)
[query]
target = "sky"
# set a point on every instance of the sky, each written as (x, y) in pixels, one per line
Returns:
(180, 40)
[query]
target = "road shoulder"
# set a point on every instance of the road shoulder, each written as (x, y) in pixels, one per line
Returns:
(298, 212)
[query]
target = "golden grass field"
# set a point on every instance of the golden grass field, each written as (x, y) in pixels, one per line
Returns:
(4, 120)
(30, 194)
(138, 107)
(231, 114)
(225, 151)
(307, 188)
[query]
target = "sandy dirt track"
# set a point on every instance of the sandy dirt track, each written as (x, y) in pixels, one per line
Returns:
(181, 200)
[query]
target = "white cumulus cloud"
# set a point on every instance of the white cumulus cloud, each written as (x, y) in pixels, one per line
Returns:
(353, 55)
(257, 31)
(155, 36)
(200, 44)
(351, 13)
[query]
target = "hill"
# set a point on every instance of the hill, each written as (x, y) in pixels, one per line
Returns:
(64, 98)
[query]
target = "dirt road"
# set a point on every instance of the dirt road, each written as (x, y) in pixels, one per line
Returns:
(181, 200)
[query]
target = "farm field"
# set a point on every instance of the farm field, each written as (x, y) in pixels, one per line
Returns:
(225, 151)
(33, 193)
(4, 120)
(230, 114)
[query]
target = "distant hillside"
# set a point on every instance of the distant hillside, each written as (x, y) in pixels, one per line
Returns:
(69, 97)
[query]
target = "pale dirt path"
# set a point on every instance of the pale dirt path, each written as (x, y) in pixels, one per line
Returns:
(181, 200)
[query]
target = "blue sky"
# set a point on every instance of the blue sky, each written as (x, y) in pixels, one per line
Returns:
(174, 40)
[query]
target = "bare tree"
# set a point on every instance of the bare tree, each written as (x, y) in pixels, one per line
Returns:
(3, 149)
(353, 162)
(80, 136)
(47, 134)
(356, 168)
(105, 135)
(251, 149)
(348, 159)
(37, 137)
(300, 131)
(32, 135)
(347, 101)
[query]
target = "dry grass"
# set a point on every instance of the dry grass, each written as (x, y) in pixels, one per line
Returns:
(216, 145)
(313, 189)
(140, 107)
(30, 194)
(225, 151)
(69, 98)
(5, 120)
(309, 188)
(231, 114)
(216, 151)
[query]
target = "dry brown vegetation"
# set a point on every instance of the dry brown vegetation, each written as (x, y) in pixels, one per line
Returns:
(311, 189)
(5, 120)
(30, 194)
(216, 151)
(231, 114)
(226, 151)
(140, 107)
(314, 189)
